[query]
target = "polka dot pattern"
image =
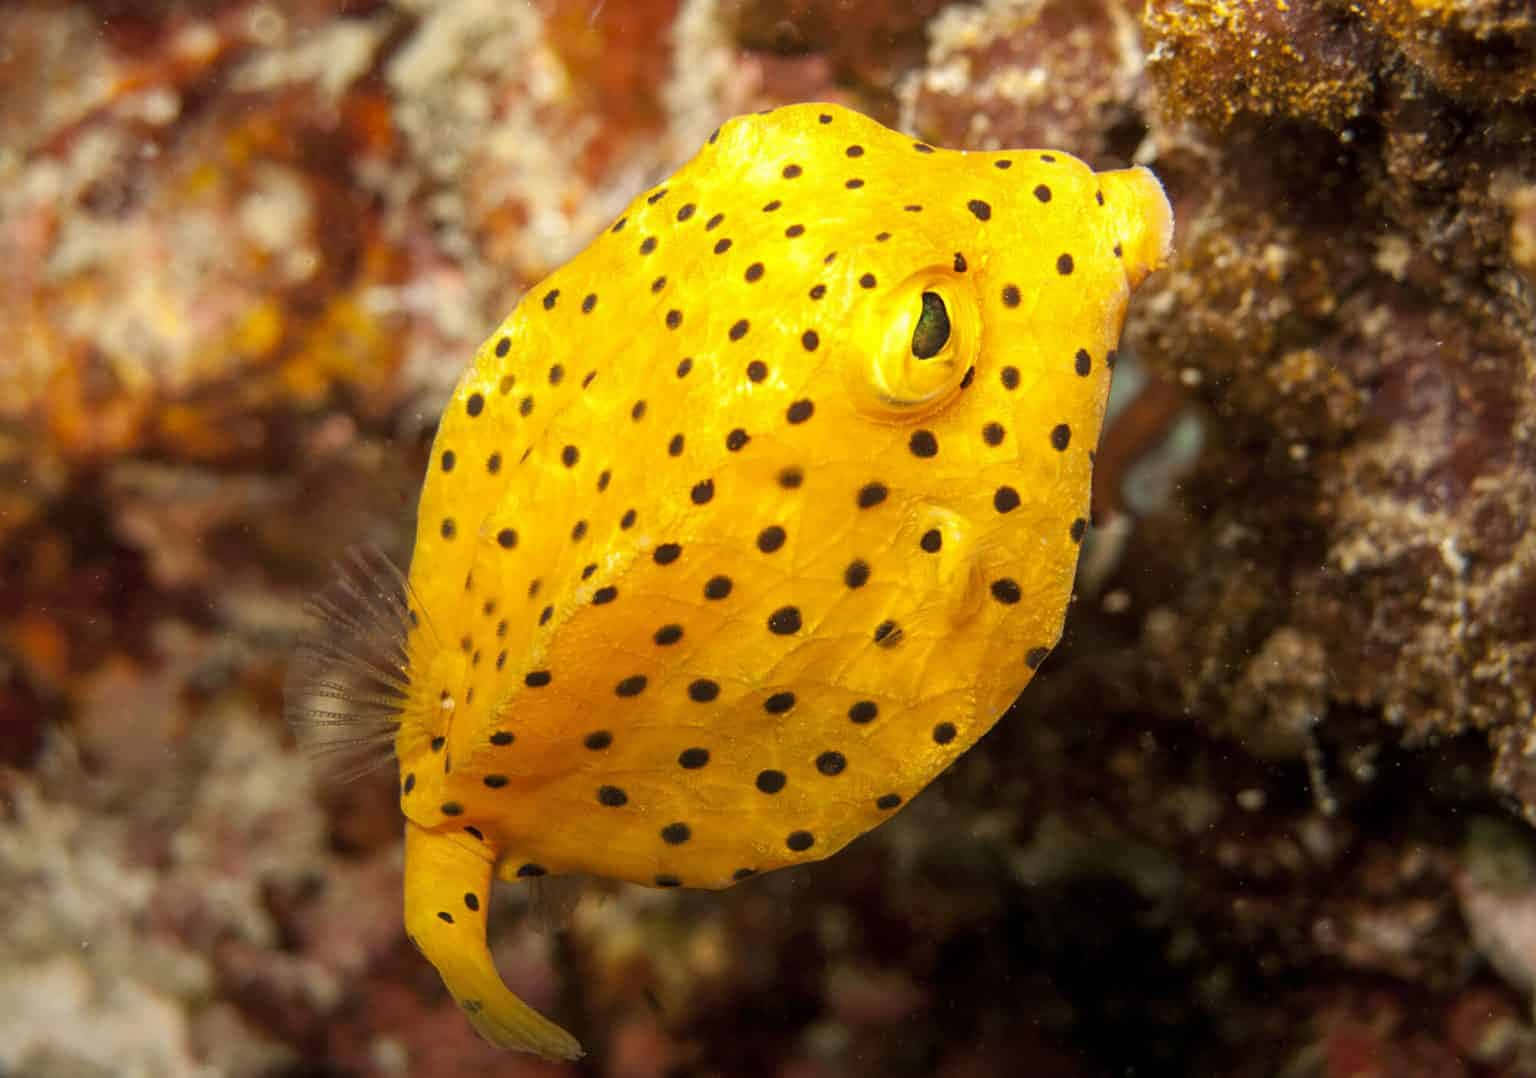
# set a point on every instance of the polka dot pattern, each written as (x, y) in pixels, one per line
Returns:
(685, 582)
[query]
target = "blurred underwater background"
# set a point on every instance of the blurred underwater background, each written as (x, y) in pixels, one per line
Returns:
(1266, 810)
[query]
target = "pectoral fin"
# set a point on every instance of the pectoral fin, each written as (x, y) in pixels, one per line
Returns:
(950, 541)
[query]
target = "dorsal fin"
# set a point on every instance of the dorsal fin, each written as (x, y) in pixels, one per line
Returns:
(349, 683)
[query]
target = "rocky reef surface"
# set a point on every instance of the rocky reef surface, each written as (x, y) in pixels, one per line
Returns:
(1268, 808)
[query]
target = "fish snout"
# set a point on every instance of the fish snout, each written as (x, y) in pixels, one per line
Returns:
(1143, 220)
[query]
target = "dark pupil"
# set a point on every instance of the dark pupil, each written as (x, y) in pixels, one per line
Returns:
(932, 331)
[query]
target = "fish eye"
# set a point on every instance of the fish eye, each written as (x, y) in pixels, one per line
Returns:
(932, 331)
(917, 341)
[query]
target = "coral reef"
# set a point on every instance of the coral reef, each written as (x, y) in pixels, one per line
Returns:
(1267, 808)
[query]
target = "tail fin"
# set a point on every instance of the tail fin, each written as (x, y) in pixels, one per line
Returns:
(447, 891)
(1145, 219)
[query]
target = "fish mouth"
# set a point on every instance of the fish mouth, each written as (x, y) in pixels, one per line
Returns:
(1144, 220)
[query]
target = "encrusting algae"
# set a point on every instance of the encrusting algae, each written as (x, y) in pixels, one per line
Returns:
(743, 525)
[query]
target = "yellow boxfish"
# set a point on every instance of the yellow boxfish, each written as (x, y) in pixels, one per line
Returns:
(743, 525)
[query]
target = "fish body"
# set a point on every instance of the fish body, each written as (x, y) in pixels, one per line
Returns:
(750, 519)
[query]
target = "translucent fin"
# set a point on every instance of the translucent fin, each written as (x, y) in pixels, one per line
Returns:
(553, 900)
(447, 887)
(349, 682)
